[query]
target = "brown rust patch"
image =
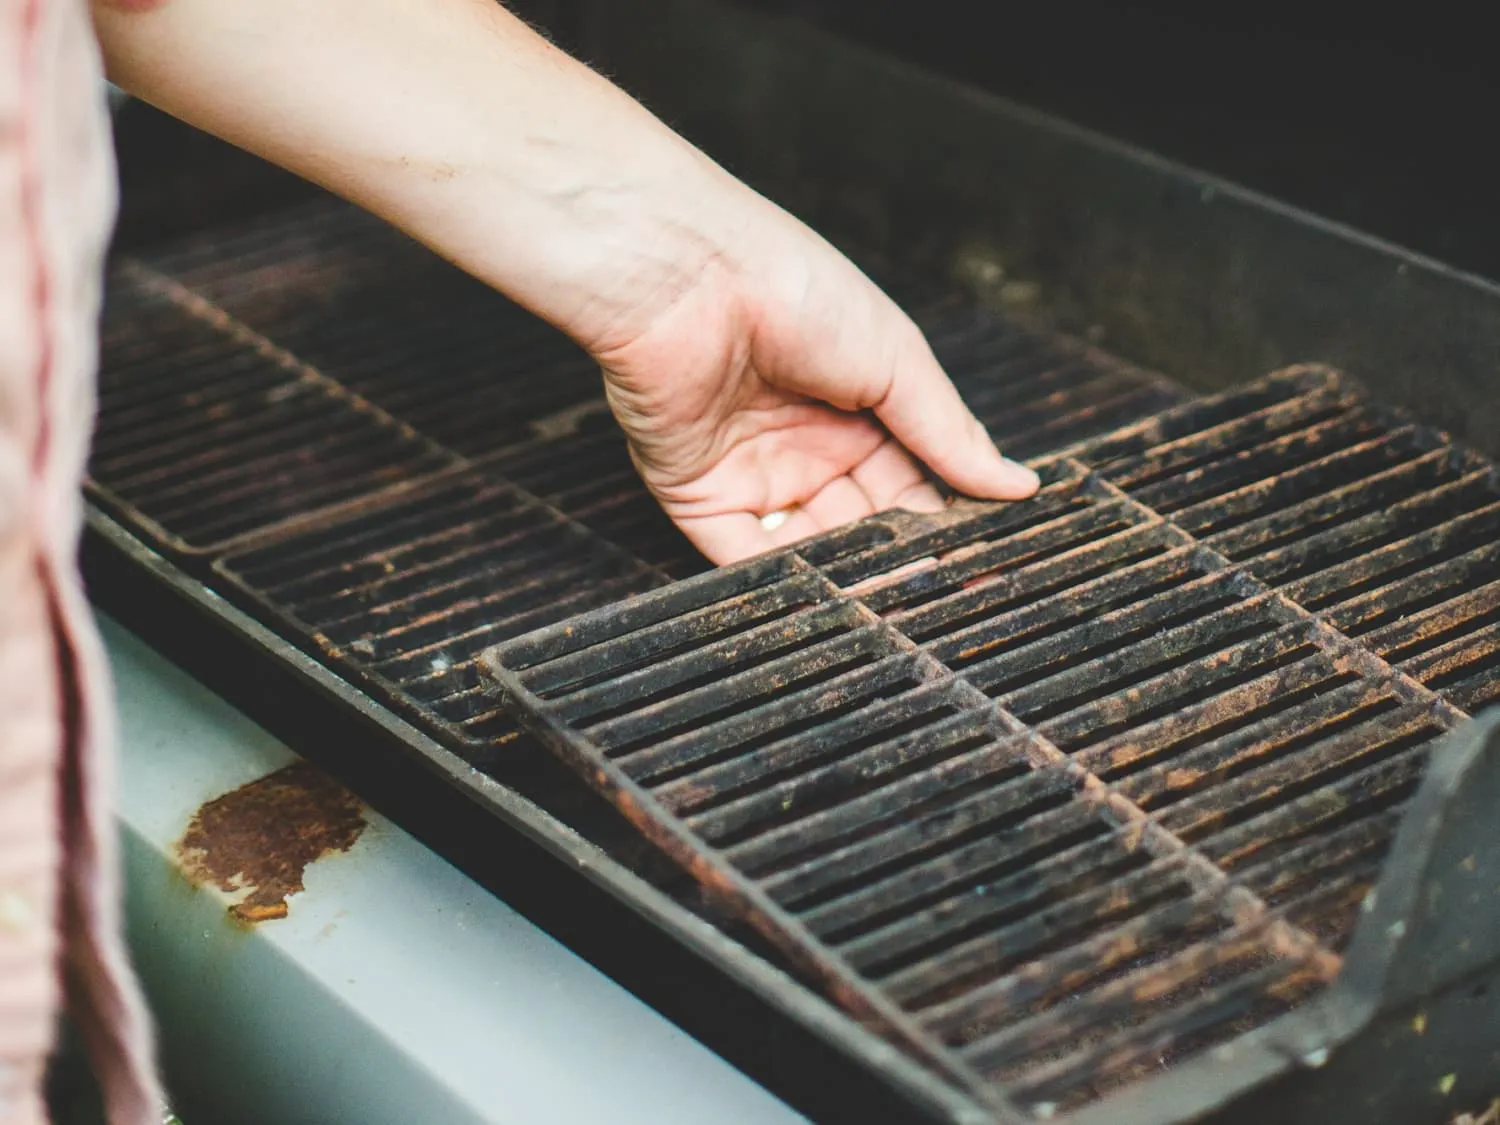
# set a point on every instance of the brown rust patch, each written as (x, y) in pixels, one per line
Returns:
(260, 837)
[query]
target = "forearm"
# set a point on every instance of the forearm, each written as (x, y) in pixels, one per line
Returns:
(740, 351)
(450, 118)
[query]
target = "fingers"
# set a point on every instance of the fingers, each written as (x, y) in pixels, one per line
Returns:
(891, 479)
(727, 538)
(923, 410)
(734, 536)
(862, 352)
(838, 502)
(887, 478)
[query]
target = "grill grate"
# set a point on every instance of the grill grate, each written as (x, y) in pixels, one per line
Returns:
(1055, 792)
(1148, 736)
(235, 435)
(314, 357)
(379, 314)
(380, 455)
(410, 591)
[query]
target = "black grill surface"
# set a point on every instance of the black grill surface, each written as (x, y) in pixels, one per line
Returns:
(397, 467)
(1057, 792)
(1053, 793)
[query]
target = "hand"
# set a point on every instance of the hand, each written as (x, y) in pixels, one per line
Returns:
(769, 375)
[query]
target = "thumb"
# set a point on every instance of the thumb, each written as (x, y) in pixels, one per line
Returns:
(924, 411)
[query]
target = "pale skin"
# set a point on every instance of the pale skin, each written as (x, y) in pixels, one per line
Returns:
(753, 368)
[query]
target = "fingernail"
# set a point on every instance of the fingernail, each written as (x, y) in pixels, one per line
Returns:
(1014, 481)
(1019, 481)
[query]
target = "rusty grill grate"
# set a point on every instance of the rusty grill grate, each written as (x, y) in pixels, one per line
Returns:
(396, 467)
(1056, 792)
(379, 314)
(316, 356)
(412, 591)
(234, 435)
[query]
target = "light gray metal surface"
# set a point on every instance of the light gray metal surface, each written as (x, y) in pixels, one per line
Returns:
(396, 991)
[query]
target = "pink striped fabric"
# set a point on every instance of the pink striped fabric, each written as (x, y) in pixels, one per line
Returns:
(59, 888)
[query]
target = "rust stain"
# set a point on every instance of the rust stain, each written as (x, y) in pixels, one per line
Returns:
(261, 837)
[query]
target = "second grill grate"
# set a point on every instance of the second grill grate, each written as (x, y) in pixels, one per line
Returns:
(1055, 792)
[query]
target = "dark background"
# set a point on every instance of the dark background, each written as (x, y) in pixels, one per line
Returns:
(1386, 120)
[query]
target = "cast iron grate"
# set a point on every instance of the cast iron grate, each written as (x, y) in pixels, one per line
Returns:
(275, 370)
(409, 592)
(207, 434)
(396, 467)
(1055, 793)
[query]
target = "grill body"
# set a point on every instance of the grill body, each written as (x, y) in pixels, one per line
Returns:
(1166, 727)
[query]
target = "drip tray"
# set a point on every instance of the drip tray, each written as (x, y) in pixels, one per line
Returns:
(1055, 793)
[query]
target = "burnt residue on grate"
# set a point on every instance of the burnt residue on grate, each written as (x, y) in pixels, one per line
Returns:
(207, 434)
(1055, 792)
(408, 592)
(394, 323)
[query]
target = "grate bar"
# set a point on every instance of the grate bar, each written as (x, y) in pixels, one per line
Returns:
(1406, 515)
(1411, 633)
(1440, 665)
(1102, 887)
(1267, 413)
(1223, 511)
(710, 799)
(1144, 1045)
(1331, 507)
(1280, 730)
(1379, 783)
(1055, 573)
(818, 662)
(829, 698)
(1123, 996)
(1311, 449)
(1091, 675)
(190, 302)
(1200, 814)
(1416, 592)
(1361, 843)
(1175, 571)
(1379, 566)
(821, 842)
(1019, 817)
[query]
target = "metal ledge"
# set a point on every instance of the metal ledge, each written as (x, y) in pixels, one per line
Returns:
(396, 989)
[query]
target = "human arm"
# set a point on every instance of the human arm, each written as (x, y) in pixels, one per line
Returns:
(753, 368)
